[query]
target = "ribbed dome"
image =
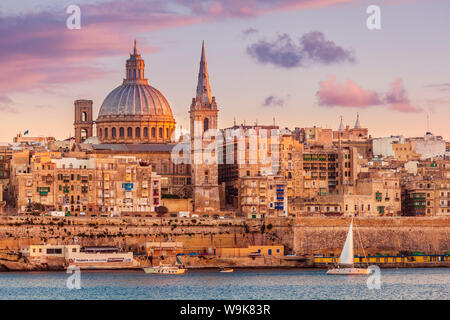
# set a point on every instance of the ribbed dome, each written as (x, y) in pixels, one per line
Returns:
(135, 99)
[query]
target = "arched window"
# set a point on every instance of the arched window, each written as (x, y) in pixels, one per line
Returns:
(138, 132)
(100, 132)
(113, 132)
(160, 132)
(167, 132)
(121, 132)
(206, 124)
(129, 132)
(153, 133)
(84, 116)
(145, 132)
(206, 176)
(106, 132)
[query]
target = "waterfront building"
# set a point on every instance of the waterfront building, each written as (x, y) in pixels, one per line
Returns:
(263, 196)
(247, 151)
(90, 186)
(251, 251)
(425, 196)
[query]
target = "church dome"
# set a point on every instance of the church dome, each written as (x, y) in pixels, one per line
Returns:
(135, 112)
(135, 99)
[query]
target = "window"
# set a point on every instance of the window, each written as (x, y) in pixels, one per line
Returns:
(113, 132)
(138, 132)
(167, 132)
(121, 132)
(129, 132)
(106, 132)
(153, 133)
(160, 132)
(206, 176)
(100, 132)
(205, 124)
(145, 132)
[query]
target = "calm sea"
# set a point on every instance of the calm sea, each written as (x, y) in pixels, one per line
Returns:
(242, 284)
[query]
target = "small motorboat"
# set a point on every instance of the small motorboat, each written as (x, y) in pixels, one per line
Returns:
(226, 270)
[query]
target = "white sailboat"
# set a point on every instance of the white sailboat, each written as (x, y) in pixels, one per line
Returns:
(346, 262)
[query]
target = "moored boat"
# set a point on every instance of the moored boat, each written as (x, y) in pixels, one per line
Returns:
(165, 269)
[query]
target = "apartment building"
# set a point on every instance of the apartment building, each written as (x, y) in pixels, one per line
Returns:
(426, 197)
(89, 186)
(263, 196)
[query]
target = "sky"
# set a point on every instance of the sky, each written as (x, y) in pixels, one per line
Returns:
(303, 62)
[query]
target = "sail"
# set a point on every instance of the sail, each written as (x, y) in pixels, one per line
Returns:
(346, 257)
(179, 262)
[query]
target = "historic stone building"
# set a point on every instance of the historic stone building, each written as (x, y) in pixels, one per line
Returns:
(135, 112)
(89, 186)
(84, 124)
(204, 165)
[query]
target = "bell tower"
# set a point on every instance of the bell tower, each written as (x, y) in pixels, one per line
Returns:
(203, 117)
(84, 125)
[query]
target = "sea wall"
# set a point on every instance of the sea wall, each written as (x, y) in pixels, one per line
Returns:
(372, 235)
(300, 236)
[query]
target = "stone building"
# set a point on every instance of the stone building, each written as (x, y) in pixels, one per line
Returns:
(2, 203)
(327, 170)
(355, 133)
(5, 162)
(89, 186)
(247, 151)
(135, 112)
(204, 165)
(425, 196)
(263, 196)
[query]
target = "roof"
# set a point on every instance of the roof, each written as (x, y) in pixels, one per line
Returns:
(166, 147)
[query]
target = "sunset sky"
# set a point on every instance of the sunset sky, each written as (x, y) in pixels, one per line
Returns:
(304, 62)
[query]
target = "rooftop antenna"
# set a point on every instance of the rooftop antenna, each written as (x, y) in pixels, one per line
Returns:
(273, 121)
(428, 122)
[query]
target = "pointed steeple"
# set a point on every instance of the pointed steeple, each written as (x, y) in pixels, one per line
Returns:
(203, 89)
(357, 123)
(341, 126)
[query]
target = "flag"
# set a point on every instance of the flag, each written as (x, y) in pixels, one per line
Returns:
(26, 132)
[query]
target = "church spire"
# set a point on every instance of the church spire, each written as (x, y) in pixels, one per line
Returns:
(203, 89)
(357, 123)
(341, 126)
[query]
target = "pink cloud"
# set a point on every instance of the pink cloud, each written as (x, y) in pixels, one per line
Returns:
(397, 98)
(351, 95)
(38, 49)
(348, 94)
